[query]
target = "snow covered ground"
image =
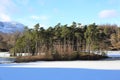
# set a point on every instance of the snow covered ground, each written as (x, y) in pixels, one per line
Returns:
(113, 53)
(107, 65)
(109, 53)
(4, 54)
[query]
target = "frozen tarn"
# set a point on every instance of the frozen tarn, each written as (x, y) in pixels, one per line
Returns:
(105, 65)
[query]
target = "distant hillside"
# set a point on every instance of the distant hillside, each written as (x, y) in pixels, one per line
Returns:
(10, 27)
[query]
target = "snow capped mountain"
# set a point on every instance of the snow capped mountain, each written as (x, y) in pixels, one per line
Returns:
(10, 27)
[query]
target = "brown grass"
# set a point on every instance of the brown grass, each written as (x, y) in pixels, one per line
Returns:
(33, 58)
(60, 57)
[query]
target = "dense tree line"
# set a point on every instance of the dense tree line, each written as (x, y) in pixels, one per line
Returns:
(62, 39)
(66, 39)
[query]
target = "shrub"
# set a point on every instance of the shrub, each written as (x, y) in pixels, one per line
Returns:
(74, 55)
(56, 55)
(83, 53)
(104, 54)
(65, 57)
(32, 58)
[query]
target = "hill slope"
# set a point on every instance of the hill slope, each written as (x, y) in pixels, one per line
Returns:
(10, 27)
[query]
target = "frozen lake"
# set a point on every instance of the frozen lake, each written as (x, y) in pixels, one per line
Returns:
(57, 74)
(76, 70)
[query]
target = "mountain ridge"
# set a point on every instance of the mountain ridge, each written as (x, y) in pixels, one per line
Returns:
(10, 27)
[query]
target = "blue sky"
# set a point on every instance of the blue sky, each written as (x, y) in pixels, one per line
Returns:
(50, 12)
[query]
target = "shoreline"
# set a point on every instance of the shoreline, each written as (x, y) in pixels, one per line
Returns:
(107, 64)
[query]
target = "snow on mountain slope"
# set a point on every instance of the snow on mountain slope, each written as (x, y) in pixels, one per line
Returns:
(9, 27)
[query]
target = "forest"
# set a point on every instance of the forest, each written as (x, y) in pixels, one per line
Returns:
(62, 39)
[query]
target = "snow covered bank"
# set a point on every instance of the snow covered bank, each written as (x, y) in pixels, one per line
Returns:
(113, 53)
(4, 54)
(107, 65)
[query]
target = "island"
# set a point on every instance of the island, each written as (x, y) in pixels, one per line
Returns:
(61, 42)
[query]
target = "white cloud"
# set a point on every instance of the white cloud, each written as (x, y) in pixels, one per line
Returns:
(108, 14)
(4, 17)
(7, 7)
(35, 17)
(43, 17)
